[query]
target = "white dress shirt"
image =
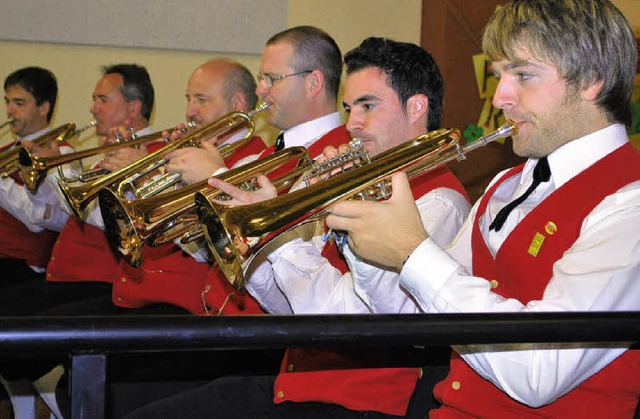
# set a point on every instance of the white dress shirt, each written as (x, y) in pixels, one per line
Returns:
(308, 283)
(37, 211)
(599, 272)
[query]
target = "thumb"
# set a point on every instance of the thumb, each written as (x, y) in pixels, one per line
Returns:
(401, 187)
(206, 145)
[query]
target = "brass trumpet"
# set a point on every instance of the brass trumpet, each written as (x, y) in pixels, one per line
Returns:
(31, 166)
(236, 233)
(10, 159)
(78, 197)
(131, 223)
(7, 122)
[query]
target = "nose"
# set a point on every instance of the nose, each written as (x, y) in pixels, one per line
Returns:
(505, 96)
(192, 110)
(355, 123)
(94, 108)
(262, 89)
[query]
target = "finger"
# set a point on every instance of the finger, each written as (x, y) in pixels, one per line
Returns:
(401, 188)
(266, 184)
(227, 188)
(209, 146)
(330, 152)
(343, 148)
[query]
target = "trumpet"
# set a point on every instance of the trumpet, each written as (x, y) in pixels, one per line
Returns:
(78, 197)
(10, 159)
(29, 164)
(236, 233)
(7, 122)
(131, 223)
(34, 168)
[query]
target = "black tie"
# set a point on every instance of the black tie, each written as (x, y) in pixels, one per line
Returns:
(541, 173)
(279, 142)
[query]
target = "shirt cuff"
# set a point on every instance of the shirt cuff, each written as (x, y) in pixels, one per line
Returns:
(427, 268)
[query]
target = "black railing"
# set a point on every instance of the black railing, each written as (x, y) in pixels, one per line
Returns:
(88, 340)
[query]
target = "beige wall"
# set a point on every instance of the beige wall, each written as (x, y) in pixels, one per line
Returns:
(78, 67)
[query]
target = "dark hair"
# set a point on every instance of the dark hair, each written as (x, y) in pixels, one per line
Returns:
(410, 70)
(39, 82)
(314, 49)
(136, 85)
(239, 79)
(586, 40)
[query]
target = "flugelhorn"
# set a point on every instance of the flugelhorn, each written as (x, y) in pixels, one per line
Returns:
(236, 233)
(9, 160)
(31, 166)
(78, 197)
(131, 223)
(7, 122)
(35, 168)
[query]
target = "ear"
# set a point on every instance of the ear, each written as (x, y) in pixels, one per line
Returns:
(238, 102)
(592, 91)
(314, 82)
(135, 108)
(418, 108)
(43, 109)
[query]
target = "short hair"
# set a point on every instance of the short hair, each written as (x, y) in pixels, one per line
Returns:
(136, 85)
(586, 40)
(410, 70)
(314, 49)
(39, 82)
(238, 78)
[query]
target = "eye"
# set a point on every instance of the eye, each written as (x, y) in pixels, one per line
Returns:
(347, 110)
(524, 76)
(368, 106)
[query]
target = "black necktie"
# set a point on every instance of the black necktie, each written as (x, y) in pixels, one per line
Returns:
(279, 142)
(541, 173)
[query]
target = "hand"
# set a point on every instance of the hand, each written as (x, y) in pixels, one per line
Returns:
(178, 132)
(122, 157)
(195, 164)
(384, 233)
(118, 134)
(51, 148)
(329, 153)
(244, 197)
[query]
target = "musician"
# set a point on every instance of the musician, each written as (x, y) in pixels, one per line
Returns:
(167, 274)
(28, 220)
(566, 71)
(393, 93)
(299, 78)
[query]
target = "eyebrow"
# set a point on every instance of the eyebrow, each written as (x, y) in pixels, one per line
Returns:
(361, 99)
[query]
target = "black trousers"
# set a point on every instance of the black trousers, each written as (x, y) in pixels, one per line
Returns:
(241, 398)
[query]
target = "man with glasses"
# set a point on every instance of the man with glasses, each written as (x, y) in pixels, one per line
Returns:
(299, 78)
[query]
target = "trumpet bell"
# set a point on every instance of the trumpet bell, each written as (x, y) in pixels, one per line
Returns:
(129, 224)
(33, 172)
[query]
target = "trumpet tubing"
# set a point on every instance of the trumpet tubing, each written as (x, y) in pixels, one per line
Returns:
(79, 197)
(236, 233)
(131, 223)
(10, 160)
(7, 122)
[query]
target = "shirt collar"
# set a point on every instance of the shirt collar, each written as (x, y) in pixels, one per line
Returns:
(34, 135)
(308, 132)
(572, 158)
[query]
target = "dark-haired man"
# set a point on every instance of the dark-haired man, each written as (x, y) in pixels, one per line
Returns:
(393, 93)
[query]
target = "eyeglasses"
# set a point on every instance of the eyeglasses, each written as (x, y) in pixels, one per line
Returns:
(269, 80)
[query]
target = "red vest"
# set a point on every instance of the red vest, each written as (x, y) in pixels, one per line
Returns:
(613, 391)
(352, 378)
(19, 242)
(82, 252)
(254, 146)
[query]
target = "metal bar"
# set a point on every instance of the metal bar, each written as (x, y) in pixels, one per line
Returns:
(171, 333)
(88, 386)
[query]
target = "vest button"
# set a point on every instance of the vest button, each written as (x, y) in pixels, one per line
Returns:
(290, 368)
(119, 299)
(280, 394)
(52, 259)
(494, 284)
(123, 279)
(455, 385)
